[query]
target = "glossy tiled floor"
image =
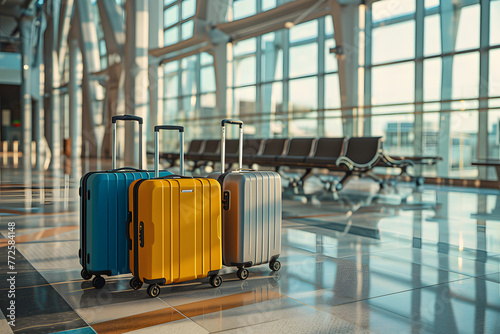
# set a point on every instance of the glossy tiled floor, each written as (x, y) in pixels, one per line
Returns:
(369, 261)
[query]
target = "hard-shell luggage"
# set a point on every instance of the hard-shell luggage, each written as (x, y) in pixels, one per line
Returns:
(251, 213)
(103, 215)
(174, 227)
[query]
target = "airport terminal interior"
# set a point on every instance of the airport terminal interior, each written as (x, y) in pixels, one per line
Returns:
(378, 120)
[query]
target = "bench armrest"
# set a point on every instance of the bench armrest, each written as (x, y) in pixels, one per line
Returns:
(357, 166)
(390, 162)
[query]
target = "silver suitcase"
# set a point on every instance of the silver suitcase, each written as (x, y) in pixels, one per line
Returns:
(251, 213)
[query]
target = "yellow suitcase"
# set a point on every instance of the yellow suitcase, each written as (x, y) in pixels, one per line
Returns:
(174, 227)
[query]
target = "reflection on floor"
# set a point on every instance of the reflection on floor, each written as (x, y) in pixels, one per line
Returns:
(423, 261)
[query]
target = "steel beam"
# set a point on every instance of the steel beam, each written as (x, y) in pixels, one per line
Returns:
(136, 73)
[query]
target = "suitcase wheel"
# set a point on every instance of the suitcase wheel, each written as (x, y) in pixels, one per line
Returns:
(215, 281)
(154, 290)
(98, 282)
(275, 265)
(135, 283)
(85, 274)
(242, 273)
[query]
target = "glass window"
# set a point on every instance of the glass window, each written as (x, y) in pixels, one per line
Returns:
(167, 2)
(244, 8)
(303, 60)
(304, 31)
(244, 101)
(393, 83)
(245, 47)
(394, 42)
(465, 75)
(272, 62)
(432, 35)
(468, 28)
(494, 114)
(206, 59)
(272, 102)
(494, 86)
(188, 8)
(304, 95)
(272, 98)
(171, 36)
(432, 80)
(268, 4)
(328, 26)
(398, 132)
(244, 72)
(187, 30)
(495, 22)
(207, 79)
(171, 16)
(172, 86)
(333, 119)
(387, 9)
(431, 3)
(463, 144)
(171, 108)
(331, 64)
(332, 91)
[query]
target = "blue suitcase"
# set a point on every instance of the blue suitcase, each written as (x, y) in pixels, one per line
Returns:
(104, 248)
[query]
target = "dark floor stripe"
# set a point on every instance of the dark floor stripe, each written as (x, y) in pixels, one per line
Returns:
(39, 307)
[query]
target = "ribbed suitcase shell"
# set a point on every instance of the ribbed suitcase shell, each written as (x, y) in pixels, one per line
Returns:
(181, 221)
(251, 227)
(103, 220)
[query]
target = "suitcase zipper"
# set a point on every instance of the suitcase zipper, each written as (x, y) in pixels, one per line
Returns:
(83, 250)
(135, 214)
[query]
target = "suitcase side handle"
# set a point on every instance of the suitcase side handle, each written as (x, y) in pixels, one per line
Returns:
(157, 146)
(126, 118)
(223, 143)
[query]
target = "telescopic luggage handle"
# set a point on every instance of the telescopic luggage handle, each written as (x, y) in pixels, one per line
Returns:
(157, 146)
(223, 143)
(126, 118)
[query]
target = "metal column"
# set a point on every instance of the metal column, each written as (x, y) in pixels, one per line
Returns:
(52, 83)
(346, 25)
(136, 72)
(418, 129)
(75, 115)
(26, 108)
(156, 76)
(482, 143)
(450, 14)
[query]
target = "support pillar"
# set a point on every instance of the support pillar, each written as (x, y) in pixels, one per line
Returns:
(92, 94)
(26, 108)
(367, 110)
(155, 72)
(136, 73)
(450, 15)
(484, 72)
(52, 83)
(75, 115)
(418, 129)
(346, 25)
